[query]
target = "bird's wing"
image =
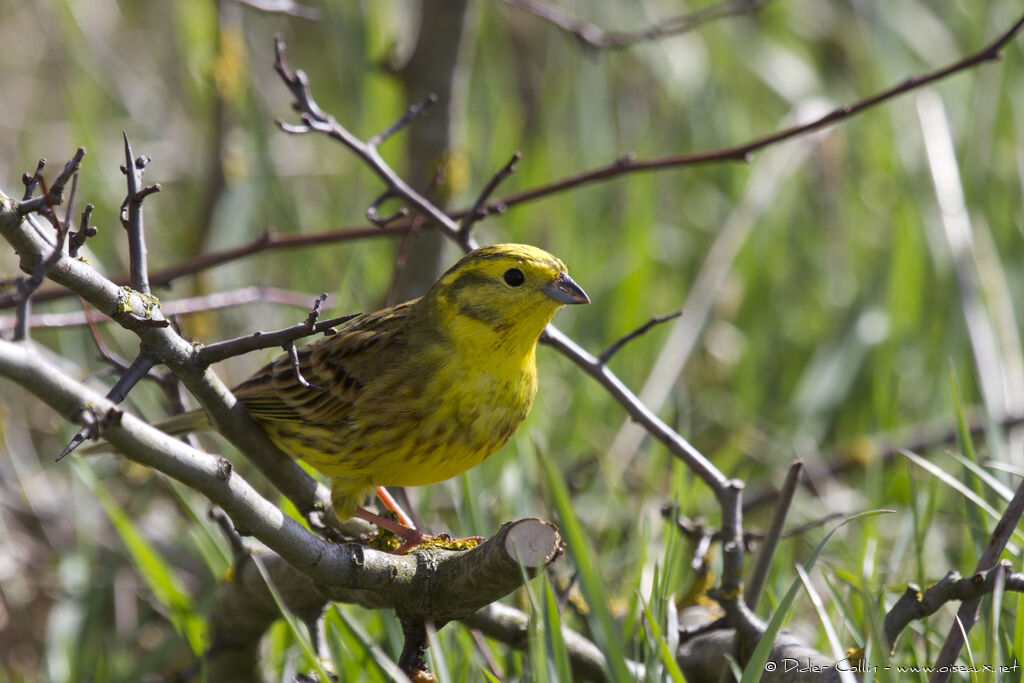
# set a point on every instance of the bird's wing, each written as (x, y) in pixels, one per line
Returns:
(338, 367)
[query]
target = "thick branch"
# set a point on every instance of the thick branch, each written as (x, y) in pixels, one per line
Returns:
(433, 583)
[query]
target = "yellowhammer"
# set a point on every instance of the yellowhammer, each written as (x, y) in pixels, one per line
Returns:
(415, 393)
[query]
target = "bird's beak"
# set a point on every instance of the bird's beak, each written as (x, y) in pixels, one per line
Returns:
(564, 290)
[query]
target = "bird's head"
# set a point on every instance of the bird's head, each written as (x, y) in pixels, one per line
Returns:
(514, 289)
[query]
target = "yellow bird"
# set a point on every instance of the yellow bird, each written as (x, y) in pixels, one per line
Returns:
(419, 392)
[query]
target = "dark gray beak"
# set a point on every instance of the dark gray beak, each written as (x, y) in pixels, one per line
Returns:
(564, 290)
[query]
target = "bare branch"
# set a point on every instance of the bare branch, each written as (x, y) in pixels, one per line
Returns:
(85, 231)
(742, 152)
(381, 221)
(752, 593)
(412, 661)
(917, 604)
(595, 37)
(478, 211)
(131, 218)
(54, 196)
(71, 201)
(413, 113)
(729, 592)
(139, 368)
(31, 180)
(214, 353)
(606, 355)
(968, 613)
(25, 288)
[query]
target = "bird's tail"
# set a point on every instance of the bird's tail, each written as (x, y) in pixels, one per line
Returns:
(175, 425)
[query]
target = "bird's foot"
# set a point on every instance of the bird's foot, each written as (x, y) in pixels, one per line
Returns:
(411, 538)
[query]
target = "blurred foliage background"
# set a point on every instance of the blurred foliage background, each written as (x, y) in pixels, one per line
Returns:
(836, 288)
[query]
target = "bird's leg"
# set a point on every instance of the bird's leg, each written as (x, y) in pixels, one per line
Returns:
(391, 504)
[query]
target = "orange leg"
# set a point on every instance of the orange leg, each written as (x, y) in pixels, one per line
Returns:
(391, 504)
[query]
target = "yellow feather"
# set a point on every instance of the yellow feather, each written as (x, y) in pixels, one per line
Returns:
(422, 391)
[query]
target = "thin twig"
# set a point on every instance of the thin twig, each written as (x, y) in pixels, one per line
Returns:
(31, 180)
(381, 221)
(402, 252)
(55, 195)
(478, 211)
(105, 353)
(214, 353)
(223, 522)
(131, 218)
(413, 113)
(84, 232)
(595, 37)
(139, 368)
(676, 444)
(606, 355)
(71, 201)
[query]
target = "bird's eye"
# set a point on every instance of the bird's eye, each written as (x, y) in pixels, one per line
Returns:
(514, 277)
